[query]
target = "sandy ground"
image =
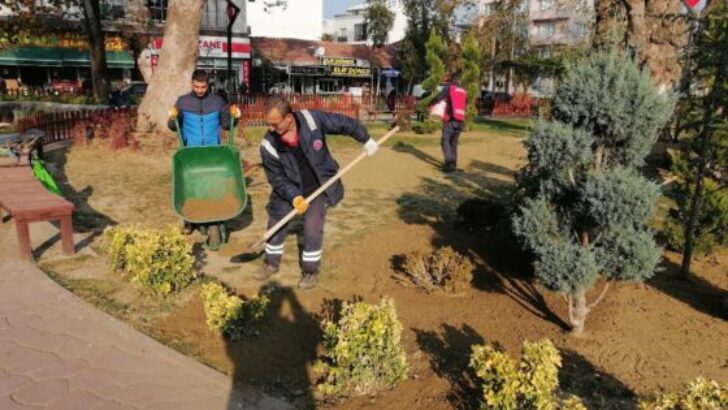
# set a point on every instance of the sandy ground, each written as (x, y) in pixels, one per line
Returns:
(641, 339)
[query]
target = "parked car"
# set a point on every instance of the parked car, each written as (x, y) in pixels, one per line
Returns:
(419, 93)
(130, 94)
(280, 88)
(65, 86)
(492, 96)
(135, 89)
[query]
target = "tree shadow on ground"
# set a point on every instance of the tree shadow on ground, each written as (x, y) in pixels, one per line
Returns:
(417, 153)
(449, 355)
(500, 125)
(491, 168)
(278, 359)
(696, 292)
(598, 389)
(501, 264)
(86, 219)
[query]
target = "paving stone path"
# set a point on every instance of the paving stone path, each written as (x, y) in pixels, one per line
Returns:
(58, 352)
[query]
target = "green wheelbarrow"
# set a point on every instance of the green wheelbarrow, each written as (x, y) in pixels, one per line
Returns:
(208, 187)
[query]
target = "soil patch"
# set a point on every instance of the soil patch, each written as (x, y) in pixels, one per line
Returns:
(211, 209)
(641, 339)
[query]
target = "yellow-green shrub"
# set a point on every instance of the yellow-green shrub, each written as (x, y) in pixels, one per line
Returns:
(363, 351)
(442, 269)
(530, 383)
(229, 314)
(700, 394)
(160, 260)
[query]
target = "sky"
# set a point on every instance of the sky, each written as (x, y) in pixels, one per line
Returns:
(332, 7)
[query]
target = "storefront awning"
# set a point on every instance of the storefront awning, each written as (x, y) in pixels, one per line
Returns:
(58, 57)
(32, 56)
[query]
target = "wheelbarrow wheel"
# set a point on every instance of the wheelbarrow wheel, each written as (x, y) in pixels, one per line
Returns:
(214, 236)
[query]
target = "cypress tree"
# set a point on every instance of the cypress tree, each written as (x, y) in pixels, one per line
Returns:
(435, 51)
(585, 206)
(471, 76)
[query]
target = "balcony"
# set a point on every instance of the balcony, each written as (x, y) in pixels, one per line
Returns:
(550, 14)
(550, 39)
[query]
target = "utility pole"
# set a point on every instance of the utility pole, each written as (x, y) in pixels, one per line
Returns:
(232, 13)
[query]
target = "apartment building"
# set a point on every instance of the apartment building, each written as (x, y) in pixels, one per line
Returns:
(351, 26)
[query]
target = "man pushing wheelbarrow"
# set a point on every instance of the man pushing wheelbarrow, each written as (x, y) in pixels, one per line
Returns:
(208, 184)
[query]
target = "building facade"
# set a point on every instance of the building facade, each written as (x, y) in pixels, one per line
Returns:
(45, 60)
(316, 67)
(351, 26)
(285, 18)
(550, 24)
(213, 47)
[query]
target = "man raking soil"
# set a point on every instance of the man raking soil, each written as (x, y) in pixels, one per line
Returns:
(305, 179)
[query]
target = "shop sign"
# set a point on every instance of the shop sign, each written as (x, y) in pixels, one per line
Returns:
(66, 40)
(308, 70)
(348, 71)
(340, 61)
(246, 72)
(215, 47)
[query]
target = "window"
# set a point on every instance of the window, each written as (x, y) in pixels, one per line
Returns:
(546, 4)
(523, 7)
(214, 15)
(343, 37)
(546, 29)
(360, 32)
(581, 30)
(158, 10)
(112, 9)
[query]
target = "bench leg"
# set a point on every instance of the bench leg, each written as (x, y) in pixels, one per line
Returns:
(67, 235)
(26, 252)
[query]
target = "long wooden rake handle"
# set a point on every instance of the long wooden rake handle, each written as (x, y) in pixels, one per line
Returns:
(270, 232)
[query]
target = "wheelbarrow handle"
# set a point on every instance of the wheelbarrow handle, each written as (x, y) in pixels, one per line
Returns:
(270, 232)
(179, 133)
(231, 131)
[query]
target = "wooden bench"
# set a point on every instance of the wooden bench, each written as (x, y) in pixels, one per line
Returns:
(27, 200)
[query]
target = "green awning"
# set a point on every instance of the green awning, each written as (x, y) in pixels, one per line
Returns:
(119, 59)
(32, 56)
(57, 57)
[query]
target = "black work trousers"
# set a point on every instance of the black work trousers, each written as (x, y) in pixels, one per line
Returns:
(313, 237)
(450, 135)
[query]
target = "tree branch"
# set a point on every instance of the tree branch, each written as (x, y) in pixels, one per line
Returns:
(571, 177)
(669, 181)
(601, 296)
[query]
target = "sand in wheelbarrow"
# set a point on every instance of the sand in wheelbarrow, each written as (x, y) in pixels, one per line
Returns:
(211, 209)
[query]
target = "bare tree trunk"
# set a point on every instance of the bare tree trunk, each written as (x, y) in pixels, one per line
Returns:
(97, 48)
(636, 26)
(696, 203)
(579, 311)
(176, 63)
(704, 151)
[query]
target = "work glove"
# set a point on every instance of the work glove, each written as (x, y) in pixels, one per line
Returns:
(235, 111)
(300, 204)
(371, 147)
(173, 113)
